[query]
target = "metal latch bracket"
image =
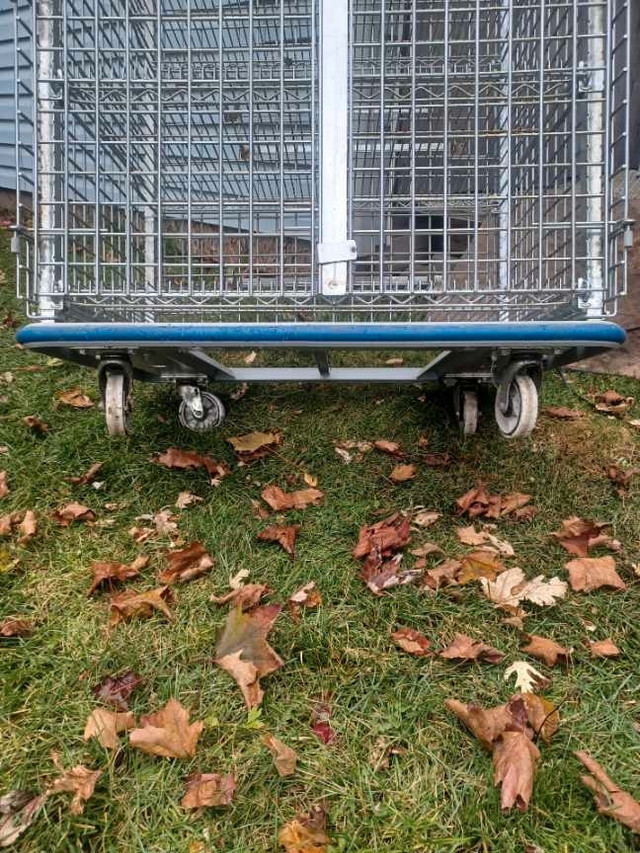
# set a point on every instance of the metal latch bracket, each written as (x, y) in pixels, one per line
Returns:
(335, 253)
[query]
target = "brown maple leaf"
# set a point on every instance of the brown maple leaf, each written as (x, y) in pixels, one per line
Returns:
(603, 648)
(562, 413)
(116, 690)
(466, 648)
(390, 447)
(437, 460)
(486, 724)
(384, 538)
(255, 445)
(9, 522)
(76, 398)
(186, 499)
(475, 502)
(245, 596)
(577, 536)
(280, 501)
(485, 539)
(88, 476)
(186, 564)
(129, 605)
(380, 577)
(78, 780)
(107, 574)
(613, 403)
(321, 719)
(174, 457)
(589, 573)
(208, 789)
(402, 473)
(4, 486)
(546, 650)
(243, 650)
(284, 758)
(167, 732)
(444, 574)
(14, 626)
(283, 535)
(306, 833)
(479, 564)
(610, 799)
(412, 642)
(515, 757)
(104, 726)
(66, 515)
(307, 596)
(28, 527)
(18, 810)
(36, 424)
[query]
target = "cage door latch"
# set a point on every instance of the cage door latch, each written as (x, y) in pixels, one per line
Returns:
(335, 253)
(332, 260)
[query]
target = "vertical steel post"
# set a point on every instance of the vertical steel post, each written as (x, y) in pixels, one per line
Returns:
(595, 158)
(333, 251)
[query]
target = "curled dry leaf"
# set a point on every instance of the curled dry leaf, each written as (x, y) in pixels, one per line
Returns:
(208, 789)
(4, 486)
(14, 626)
(444, 574)
(130, 605)
(104, 726)
(589, 573)
(243, 650)
(107, 574)
(426, 550)
(603, 648)
(610, 799)
(244, 596)
(383, 539)
(280, 501)
(284, 758)
(167, 732)
(78, 780)
(387, 575)
(28, 527)
(478, 502)
(621, 477)
(562, 413)
(437, 460)
(283, 535)
(465, 648)
(306, 833)
(88, 476)
(18, 810)
(425, 518)
(546, 650)
(577, 536)
(613, 403)
(116, 690)
(174, 457)
(402, 473)
(352, 451)
(186, 564)
(36, 424)
(73, 512)
(307, 596)
(321, 719)
(255, 445)
(512, 587)
(479, 564)
(76, 398)
(186, 499)
(486, 539)
(412, 642)
(528, 679)
(390, 447)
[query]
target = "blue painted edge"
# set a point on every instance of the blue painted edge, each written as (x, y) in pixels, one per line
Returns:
(584, 333)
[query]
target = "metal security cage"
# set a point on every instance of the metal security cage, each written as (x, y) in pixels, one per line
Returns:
(287, 160)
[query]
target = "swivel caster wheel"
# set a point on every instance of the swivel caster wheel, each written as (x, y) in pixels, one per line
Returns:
(199, 410)
(466, 406)
(117, 403)
(516, 407)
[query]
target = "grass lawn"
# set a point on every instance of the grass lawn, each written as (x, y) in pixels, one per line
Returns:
(436, 797)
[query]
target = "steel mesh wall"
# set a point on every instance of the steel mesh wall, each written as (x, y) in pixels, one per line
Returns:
(179, 158)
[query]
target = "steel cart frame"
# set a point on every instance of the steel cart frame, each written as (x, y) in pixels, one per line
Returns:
(322, 174)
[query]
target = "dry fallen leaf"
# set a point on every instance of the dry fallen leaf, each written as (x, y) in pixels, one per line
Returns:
(562, 413)
(28, 527)
(425, 518)
(243, 650)
(479, 564)
(284, 758)
(610, 799)
(546, 650)
(186, 564)
(116, 690)
(444, 574)
(306, 833)
(105, 725)
(208, 789)
(167, 732)
(79, 780)
(512, 587)
(466, 648)
(603, 648)
(280, 501)
(390, 447)
(589, 573)
(244, 596)
(352, 451)
(89, 475)
(129, 605)
(486, 539)
(307, 596)
(255, 445)
(321, 719)
(18, 810)
(4, 486)
(380, 577)
(613, 403)
(186, 499)
(426, 550)
(528, 679)
(478, 502)
(13, 626)
(36, 424)
(173, 457)
(382, 752)
(412, 642)
(402, 473)
(73, 512)
(285, 536)
(577, 536)
(76, 398)
(383, 539)
(515, 757)
(106, 574)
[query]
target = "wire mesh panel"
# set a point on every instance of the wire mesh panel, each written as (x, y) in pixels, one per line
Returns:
(181, 147)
